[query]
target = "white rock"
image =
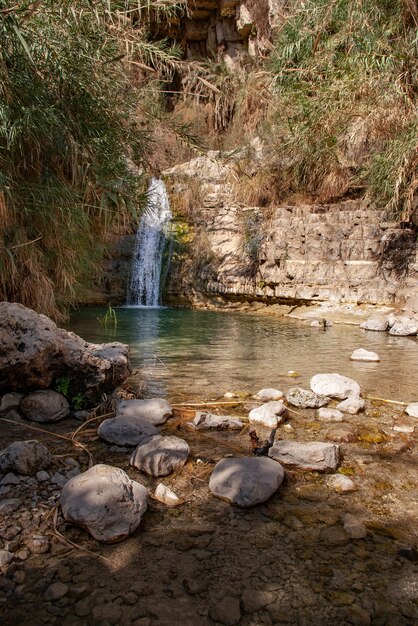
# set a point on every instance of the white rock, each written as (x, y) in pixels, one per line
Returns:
(404, 327)
(126, 431)
(6, 557)
(246, 481)
(166, 495)
(104, 501)
(364, 355)
(229, 394)
(404, 425)
(353, 527)
(305, 398)
(268, 394)
(341, 483)
(24, 457)
(352, 405)
(334, 385)
(377, 324)
(154, 410)
(329, 415)
(311, 455)
(160, 455)
(208, 420)
(270, 414)
(412, 409)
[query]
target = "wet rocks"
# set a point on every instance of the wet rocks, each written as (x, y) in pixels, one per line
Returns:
(44, 406)
(353, 527)
(105, 502)
(404, 425)
(377, 324)
(352, 405)
(341, 435)
(208, 420)
(25, 457)
(306, 399)
(310, 456)
(403, 327)
(412, 409)
(165, 495)
(155, 410)
(341, 483)
(268, 394)
(126, 431)
(160, 455)
(335, 386)
(330, 415)
(364, 355)
(270, 414)
(245, 481)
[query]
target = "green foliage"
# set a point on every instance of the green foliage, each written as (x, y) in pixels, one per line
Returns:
(62, 385)
(78, 402)
(109, 318)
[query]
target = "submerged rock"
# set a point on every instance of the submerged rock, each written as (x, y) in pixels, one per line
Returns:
(126, 431)
(270, 414)
(44, 406)
(377, 324)
(25, 457)
(160, 455)
(268, 394)
(105, 502)
(404, 425)
(412, 409)
(335, 386)
(330, 415)
(35, 353)
(353, 527)
(310, 455)
(154, 410)
(246, 481)
(364, 355)
(305, 399)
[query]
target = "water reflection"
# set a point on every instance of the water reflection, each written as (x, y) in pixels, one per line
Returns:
(209, 352)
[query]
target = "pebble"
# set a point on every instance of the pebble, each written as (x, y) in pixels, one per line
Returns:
(329, 415)
(353, 527)
(226, 611)
(58, 479)
(10, 479)
(340, 435)
(166, 495)
(10, 505)
(334, 535)
(6, 557)
(42, 476)
(404, 425)
(341, 483)
(55, 592)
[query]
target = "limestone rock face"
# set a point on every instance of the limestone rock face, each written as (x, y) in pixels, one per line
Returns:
(305, 398)
(310, 456)
(34, 353)
(269, 414)
(334, 385)
(44, 406)
(25, 457)
(126, 431)
(246, 481)
(160, 455)
(155, 410)
(105, 502)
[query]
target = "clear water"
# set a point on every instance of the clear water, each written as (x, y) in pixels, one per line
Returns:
(144, 286)
(206, 353)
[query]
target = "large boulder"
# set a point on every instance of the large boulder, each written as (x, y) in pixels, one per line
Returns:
(36, 354)
(24, 457)
(44, 406)
(154, 410)
(310, 456)
(105, 502)
(160, 455)
(126, 431)
(246, 481)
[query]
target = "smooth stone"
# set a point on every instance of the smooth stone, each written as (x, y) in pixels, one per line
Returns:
(269, 394)
(305, 399)
(246, 481)
(226, 611)
(105, 502)
(44, 406)
(404, 425)
(364, 355)
(58, 479)
(377, 324)
(341, 483)
(341, 435)
(334, 385)
(330, 415)
(208, 420)
(412, 409)
(10, 401)
(270, 414)
(126, 431)
(253, 600)
(165, 495)
(229, 395)
(160, 455)
(352, 405)
(39, 544)
(310, 455)
(81, 416)
(403, 327)
(353, 527)
(24, 457)
(6, 557)
(42, 476)
(55, 592)
(154, 410)
(10, 479)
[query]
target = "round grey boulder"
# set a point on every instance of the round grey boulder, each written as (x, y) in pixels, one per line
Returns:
(105, 502)
(126, 431)
(306, 399)
(44, 406)
(246, 481)
(160, 455)
(24, 457)
(154, 410)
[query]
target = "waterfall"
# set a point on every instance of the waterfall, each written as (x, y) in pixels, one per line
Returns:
(144, 287)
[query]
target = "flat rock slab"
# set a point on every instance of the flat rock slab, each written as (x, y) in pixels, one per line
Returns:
(25, 457)
(412, 409)
(246, 481)
(306, 399)
(310, 456)
(269, 414)
(364, 355)
(44, 406)
(126, 431)
(335, 386)
(105, 502)
(208, 420)
(269, 394)
(160, 456)
(155, 410)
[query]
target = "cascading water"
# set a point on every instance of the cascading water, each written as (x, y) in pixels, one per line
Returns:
(144, 287)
